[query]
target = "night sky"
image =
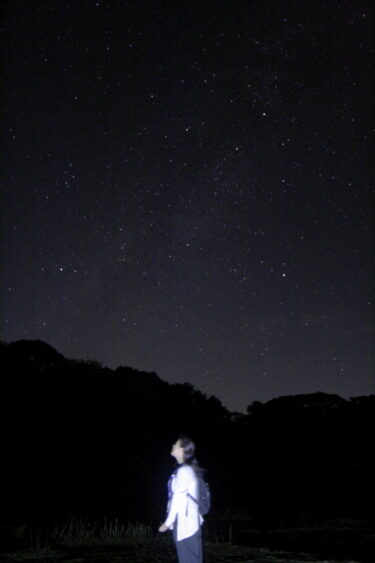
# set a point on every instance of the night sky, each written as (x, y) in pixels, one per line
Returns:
(187, 189)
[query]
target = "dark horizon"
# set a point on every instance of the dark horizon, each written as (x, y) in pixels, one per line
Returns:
(134, 369)
(188, 190)
(84, 447)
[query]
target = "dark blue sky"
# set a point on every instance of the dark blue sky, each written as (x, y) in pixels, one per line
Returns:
(187, 190)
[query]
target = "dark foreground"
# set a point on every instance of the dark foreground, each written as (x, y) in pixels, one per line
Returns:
(157, 552)
(348, 541)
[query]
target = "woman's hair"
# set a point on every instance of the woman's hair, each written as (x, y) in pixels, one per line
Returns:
(188, 446)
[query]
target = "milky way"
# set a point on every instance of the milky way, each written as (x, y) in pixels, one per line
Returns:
(187, 190)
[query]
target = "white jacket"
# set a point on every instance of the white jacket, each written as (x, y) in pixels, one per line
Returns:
(184, 483)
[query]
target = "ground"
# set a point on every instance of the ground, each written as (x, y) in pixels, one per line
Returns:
(157, 552)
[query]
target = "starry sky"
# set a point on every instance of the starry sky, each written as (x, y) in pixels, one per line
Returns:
(186, 189)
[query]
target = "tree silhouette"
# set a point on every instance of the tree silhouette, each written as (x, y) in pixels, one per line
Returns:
(80, 439)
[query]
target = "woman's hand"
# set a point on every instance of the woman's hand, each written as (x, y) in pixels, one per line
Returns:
(163, 528)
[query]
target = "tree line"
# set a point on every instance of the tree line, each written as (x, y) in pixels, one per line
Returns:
(79, 439)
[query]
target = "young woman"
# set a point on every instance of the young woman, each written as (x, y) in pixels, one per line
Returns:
(183, 516)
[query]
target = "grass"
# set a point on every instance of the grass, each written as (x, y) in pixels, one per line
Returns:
(154, 552)
(114, 542)
(78, 532)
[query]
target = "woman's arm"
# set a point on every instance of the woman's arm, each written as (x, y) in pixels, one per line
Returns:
(183, 480)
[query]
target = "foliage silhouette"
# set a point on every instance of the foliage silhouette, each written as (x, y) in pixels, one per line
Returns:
(82, 440)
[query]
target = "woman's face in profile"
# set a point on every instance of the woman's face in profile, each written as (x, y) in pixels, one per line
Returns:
(177, 451)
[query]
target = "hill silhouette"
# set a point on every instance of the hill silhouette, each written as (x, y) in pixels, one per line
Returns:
(79, 439)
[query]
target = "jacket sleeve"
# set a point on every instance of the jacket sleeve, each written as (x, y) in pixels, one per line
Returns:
(179, 497)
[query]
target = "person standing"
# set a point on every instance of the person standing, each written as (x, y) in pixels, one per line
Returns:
(183, 516)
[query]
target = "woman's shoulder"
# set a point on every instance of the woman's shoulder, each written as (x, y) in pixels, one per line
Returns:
(186, 471)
